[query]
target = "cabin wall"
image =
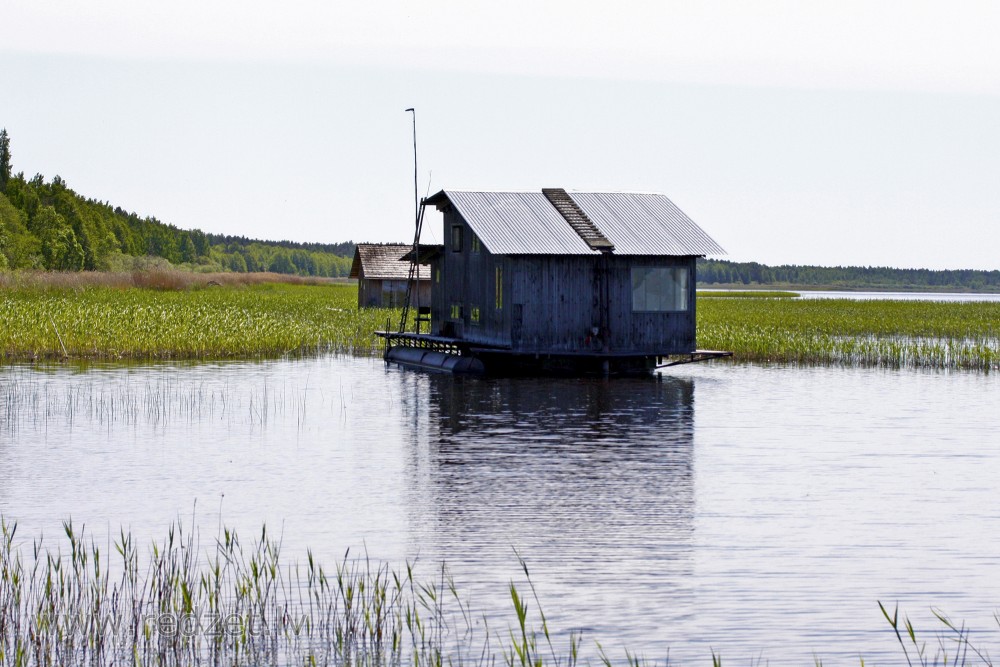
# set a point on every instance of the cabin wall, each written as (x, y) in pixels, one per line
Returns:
(551, 303)
(657, 332)
(375, 293)
(466, 302)
(557, 305)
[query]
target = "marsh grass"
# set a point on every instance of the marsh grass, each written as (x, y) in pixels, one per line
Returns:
(231, 602)
(174, 315)
(252, 320)
(951, 644)
(890, 334)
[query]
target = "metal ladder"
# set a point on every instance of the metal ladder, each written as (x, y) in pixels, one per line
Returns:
(414, 276)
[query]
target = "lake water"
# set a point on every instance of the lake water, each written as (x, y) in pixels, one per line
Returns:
(759, 511)
(951, 297)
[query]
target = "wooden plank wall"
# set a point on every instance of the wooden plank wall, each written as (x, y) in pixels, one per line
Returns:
(551, 303)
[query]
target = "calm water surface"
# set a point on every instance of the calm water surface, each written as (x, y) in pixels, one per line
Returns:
(950, 297)
(756, 511)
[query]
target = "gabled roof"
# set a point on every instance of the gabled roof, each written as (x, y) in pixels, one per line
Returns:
(381, 261)
(527, 223)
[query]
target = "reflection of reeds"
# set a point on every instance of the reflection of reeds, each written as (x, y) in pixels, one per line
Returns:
(893, 334)
(159, 399)
(241, 321)
(238, 605)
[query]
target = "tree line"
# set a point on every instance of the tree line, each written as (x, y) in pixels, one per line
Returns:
(720, 272)
(46, 225)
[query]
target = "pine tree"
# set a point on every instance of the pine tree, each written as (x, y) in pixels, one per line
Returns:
(4, 159)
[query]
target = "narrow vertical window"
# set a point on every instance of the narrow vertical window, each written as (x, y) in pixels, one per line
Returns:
(476, 246)
(474, 315)
(499, 288)
(456, 238)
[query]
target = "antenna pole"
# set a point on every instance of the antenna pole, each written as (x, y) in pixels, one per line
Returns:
(416, 191)
(414, 277)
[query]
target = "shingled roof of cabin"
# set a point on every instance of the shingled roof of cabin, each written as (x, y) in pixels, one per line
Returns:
(528, 223)
(380, 261)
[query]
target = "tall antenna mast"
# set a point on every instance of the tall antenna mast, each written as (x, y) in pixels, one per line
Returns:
(414, 277)
(416, 191)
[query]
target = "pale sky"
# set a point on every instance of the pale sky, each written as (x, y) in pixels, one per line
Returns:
(816, 132)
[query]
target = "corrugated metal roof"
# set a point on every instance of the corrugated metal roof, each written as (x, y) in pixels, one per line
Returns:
(526, 223)
(518, 223)
(381, 261)
(645, 224)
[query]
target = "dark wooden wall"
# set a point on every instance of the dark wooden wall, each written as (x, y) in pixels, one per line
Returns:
(552, 303)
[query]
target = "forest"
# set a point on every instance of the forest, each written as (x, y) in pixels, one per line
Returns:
(719, 272)
(46, 225)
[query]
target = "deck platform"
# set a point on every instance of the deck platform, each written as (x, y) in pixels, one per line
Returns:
(458, 355)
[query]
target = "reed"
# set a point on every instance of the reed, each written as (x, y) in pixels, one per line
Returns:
(891, 334)
(237, 603)
(238, 320)
(176, 315)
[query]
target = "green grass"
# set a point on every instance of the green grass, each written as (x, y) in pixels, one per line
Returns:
(262, 320)
(170, 319)
(895, 334)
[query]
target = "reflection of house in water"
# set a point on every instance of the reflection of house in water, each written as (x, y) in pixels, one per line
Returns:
(592, 481)
(608, 462)
(382, 276)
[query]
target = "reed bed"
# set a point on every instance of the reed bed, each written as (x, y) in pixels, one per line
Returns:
(174, 315)
(891, 334)
(267, 319)
(232, 602)
(240, 603)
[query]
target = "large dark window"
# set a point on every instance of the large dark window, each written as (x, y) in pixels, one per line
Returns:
(659, 289)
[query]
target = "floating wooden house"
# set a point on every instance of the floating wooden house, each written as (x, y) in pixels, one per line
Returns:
(558, 281)
(382, 277)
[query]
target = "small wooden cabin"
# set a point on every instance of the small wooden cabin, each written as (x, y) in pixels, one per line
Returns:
(382, 275)
(557, 280)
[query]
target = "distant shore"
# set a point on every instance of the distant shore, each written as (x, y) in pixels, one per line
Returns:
(846, 288)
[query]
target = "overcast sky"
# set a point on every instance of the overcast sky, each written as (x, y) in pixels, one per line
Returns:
(818, 132)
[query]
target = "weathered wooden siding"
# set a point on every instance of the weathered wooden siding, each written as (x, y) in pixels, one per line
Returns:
(373, 293)
(553, 303)
(468, 280)
(672, 332)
